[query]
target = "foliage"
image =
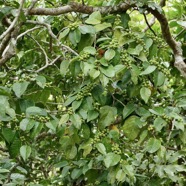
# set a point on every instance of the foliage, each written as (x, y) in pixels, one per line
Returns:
(108, 108)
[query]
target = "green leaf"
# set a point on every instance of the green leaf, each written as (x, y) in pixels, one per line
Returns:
(76, 120)
(111, 159)
(71, 152)
(102, 26)
(159, 79)
(107, 116)
(94, 73)
(148, 43)
(64, 67)
(182, 23)
(148, 70)
(153, 145)
(4, 170)
(8, 134)
(130, 128)
(121, 175)
(87, 29)
(76, 104)
(90, 50)
(14, 149)
(64, 33)
(69, 100)
(101, 148)
(41, 81)
(159, 123)
(128, 109)
(145, 93)
(134, 74)
(52, 125)
(75, 36)
(114, 134)
(76, 173)
(64, 119)
(25, 152)
(20, 88)
(36, 111)
(108, 71)
(109, 54)
(94, 18)
(27, 124)
(92, 114)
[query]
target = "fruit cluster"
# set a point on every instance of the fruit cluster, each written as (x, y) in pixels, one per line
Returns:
(1, 124)
(69, 111)
(116, 149)
(126, 59)
(85, 91)
(42, 119)
(99, 135)
(73, 26)
(161, 67)
(96, 106)
(117, 20)
(114, 43)
(84, 56)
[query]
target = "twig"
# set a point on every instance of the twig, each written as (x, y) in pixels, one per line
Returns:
(117, 100)
(11, 27)
(49, 64)
(4, 43)
(27, 31)
(53, 35)
(42, 49)
(172, 128)
(148, 24)
(152, 21)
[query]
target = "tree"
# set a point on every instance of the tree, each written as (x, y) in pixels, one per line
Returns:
(92, 92)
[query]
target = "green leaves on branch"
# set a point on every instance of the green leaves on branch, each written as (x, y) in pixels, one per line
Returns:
(107, 116)
(20, 88)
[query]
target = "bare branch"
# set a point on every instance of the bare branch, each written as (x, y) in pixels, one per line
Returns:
(11, 27)
(49, 64)
(27, 31)
(45, 25)
(149, 26)
(53, 35)
(152, 21)
(4, 43)
(8, 53)
(76, 7)
(43, 50)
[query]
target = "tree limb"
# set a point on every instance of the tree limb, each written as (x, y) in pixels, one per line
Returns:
(174, 45)
(76, 7)
(11, 27)
(49, 64)
(53, 35)
(152, 21)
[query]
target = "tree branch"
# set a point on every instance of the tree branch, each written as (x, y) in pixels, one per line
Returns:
(11, 27)
(53, 35)
(49, 64)
(76, 7)
(152, 21)
(27, 31)
(43, 50)
(174, 45)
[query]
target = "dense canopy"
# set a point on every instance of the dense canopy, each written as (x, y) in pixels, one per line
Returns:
(93, 92)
